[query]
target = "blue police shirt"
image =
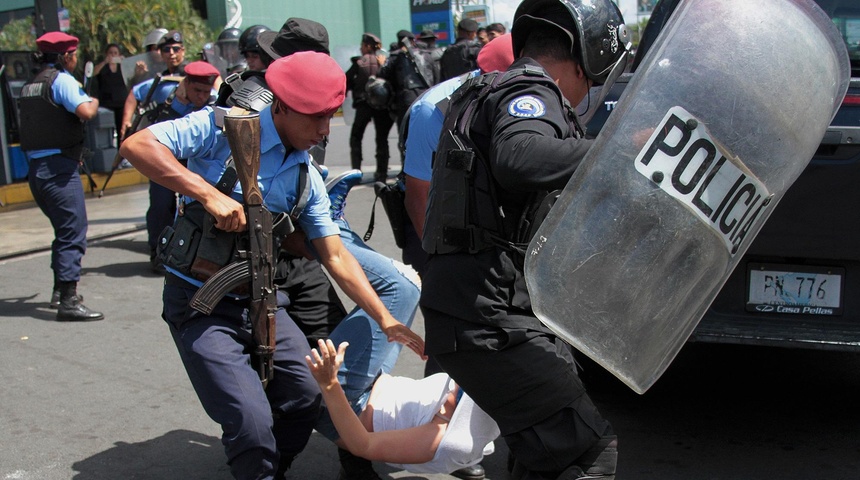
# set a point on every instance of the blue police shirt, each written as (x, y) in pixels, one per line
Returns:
(425, 125)
(66, 92)
(197, 138)
(160, 95)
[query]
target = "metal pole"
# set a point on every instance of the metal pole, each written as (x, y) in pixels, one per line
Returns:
(47, 18)
(4, 141)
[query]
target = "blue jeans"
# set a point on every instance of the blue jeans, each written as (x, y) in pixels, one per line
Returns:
(370, 353)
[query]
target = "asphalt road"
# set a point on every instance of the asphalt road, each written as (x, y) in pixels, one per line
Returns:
(110, 400)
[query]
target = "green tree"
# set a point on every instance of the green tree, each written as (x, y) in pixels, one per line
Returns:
(17, 35)
(98, 23)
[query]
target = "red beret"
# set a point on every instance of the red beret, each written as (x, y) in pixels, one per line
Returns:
(57, 42)
(311, 83)
(201, 72)
(498, 54)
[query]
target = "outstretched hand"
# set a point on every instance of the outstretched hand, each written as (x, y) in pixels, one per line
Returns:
(325, 362)
(402, 334)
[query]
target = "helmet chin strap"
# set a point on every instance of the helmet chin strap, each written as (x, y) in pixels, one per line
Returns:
(602, 90)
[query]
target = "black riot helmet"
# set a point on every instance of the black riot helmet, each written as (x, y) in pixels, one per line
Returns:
(248, 39)
(379, 93)
(596, 29)
(229, 35)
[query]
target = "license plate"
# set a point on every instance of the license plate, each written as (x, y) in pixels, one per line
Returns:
(793, 289)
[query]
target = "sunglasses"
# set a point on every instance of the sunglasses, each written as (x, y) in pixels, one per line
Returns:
(171, 49)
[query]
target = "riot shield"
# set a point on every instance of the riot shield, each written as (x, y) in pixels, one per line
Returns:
(153, 63)
(211, 54)
(724, 113)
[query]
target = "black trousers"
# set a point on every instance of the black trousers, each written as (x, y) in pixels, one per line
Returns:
(526, 381)
(313, 301)
(382, 123)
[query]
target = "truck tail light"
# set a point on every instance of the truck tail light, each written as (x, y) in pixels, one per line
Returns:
(851, 100)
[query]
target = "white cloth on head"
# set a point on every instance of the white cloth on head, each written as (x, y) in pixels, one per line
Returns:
(406, 403)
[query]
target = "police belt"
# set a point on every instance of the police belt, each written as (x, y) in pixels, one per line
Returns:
(197, 249)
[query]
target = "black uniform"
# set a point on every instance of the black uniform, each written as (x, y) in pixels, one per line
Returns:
(459, 58)
(479, 322)
(356, 79)
(410, 77)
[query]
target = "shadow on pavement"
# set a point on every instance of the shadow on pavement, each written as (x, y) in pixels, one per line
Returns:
(16, 307)
(124, 270)
(180, 454)
(135, 245)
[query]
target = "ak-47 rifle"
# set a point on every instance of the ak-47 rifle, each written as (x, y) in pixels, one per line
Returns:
(135, 123)
(258, 262)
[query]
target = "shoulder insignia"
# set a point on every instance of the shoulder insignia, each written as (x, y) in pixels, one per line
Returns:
(527, 106)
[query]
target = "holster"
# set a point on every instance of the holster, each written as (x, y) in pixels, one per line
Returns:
(194, 247)
(393, 202)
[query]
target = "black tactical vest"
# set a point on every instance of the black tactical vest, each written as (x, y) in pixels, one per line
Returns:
(46, 124)
(463, 210)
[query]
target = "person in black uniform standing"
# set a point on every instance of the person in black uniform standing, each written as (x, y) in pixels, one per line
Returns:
(357, 76)
(53, 107)
(410, 75)
(462, 56)
(479, 322)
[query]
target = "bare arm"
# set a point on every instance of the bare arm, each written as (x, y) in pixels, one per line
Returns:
(99, 66)
(156, 161)
(127, 113)
(412, 445)
(417, 192)
(347, 272)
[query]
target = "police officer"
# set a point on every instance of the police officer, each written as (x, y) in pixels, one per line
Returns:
(249, 47)
(426, 43)
(479, 322)
(359, 73)
(425, 123)
(313, 301)
(229, 50)
(152, 57)
(426, 116)
(410, 75)
(263, 429)
(53, 107)
(171, 100)
(462, 56)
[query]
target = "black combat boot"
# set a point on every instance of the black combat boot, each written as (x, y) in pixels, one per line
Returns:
(598, 462)
(55, 295)
(284, 464)
(355, 468)
(71, 309)
(475, 472)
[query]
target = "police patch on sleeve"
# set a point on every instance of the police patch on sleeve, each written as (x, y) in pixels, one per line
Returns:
(527, 106)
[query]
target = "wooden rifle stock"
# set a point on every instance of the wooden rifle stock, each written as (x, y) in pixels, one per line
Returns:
(243, 134)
